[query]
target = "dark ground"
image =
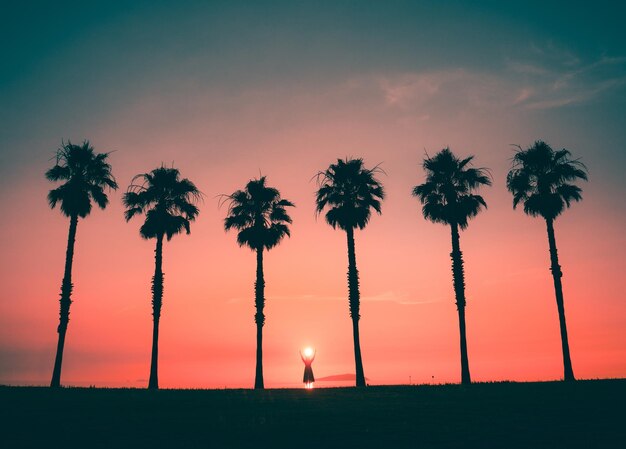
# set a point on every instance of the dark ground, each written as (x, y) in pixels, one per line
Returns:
(584, 414)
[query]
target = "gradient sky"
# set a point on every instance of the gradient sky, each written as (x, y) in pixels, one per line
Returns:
(226, 91)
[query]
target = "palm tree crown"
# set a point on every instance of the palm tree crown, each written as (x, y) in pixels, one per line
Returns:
(541, 179)
(87, 175)
(350, 191)
(258, 213)
(168, 202)
(447, 195)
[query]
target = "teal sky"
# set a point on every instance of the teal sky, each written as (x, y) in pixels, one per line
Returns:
(68, 65)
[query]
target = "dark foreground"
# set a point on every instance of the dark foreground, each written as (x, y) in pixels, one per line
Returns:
(585, 414)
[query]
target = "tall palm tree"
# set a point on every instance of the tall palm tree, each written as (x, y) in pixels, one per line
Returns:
(258, 213)
(350, 192)
(169, 204)
(541, 179)
(87, 175)
(447, 198)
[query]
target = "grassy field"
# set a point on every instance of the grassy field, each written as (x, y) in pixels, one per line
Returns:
(585, 414)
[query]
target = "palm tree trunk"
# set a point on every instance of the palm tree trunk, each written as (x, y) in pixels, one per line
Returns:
(458, 278)
(558, 290)
(157, 301)
(259, 318)
(65, 301)
(355, 304)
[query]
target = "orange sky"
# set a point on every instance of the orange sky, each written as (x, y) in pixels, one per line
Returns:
(221, 135)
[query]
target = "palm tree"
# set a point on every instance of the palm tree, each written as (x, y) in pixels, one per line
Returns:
(541, 179)
(258, 213)
(169, 204)
(87, 174)
(350, 191)
(447, 198)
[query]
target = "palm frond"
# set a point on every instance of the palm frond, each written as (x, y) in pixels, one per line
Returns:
(58, 172)
(168, 201)
(447, 194)
(258, 213)
(349, 191)
(87, 175)
(542, 179)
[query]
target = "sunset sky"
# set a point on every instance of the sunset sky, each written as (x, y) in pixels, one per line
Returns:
(227, 91)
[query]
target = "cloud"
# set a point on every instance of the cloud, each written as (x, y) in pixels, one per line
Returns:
(390, 295)
(524, 95)
(526, 68)
(556, 77)
(397, 297)
(297, 297)
(548, 79)
(575, 95)
(411, 88)
(555, 53)
(424, 94)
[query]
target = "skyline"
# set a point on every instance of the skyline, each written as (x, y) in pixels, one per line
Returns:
(227, 93)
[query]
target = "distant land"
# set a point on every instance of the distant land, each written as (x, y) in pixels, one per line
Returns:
(338, 378)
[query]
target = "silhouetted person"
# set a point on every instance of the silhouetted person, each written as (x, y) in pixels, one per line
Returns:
(307, 358)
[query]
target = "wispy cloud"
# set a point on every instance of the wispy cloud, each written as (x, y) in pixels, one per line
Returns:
(554, 53)
(425, 93)
(526, 68)
(399, 297)
(561, 83)
(410, 88)
(524, 94)
(297, 297)
(549, 78)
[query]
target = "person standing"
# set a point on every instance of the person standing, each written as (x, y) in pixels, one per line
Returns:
(307, 357)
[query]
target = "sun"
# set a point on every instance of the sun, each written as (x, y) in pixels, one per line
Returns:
(308, 351)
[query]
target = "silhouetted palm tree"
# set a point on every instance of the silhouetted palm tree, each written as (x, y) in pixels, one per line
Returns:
(87, 174)
(540, 178)
(258, 213)
(169, 204)
(447, 198)
(350, 191)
